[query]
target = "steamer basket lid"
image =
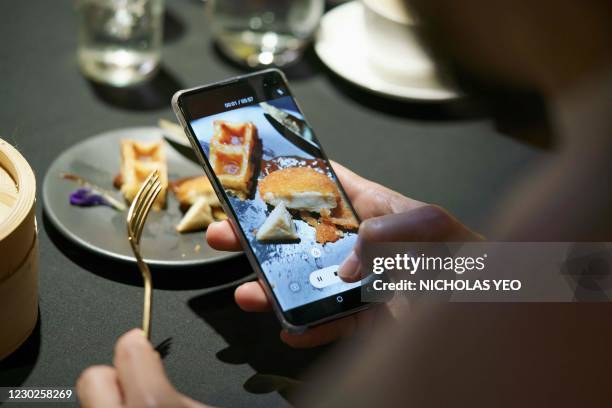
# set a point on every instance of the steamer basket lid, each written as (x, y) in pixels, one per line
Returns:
(8, 193)
(17, 196)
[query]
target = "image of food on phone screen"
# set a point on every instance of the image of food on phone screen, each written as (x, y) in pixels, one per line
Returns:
(284, 194)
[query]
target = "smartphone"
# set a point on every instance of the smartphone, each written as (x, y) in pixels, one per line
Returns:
(279, 191)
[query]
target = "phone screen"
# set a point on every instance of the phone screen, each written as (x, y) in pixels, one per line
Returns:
(286, 198)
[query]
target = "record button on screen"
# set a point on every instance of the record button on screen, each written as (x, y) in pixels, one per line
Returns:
(324, 277)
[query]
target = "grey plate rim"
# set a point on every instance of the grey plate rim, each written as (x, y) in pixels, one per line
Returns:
(102, 251)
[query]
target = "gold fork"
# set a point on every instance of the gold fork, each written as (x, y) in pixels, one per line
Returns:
(136, 217)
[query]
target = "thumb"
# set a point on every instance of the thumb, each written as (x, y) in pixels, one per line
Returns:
(428, 223)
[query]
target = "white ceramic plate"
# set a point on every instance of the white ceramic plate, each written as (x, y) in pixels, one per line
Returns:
(341, 45)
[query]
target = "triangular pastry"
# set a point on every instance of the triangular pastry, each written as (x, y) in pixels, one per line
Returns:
(198, 217)
(278, 226)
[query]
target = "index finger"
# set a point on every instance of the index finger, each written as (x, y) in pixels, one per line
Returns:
(370, 199)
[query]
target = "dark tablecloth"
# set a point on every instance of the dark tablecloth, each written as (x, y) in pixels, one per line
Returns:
(216, 353)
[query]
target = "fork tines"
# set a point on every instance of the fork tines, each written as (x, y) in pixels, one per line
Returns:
(141, 205)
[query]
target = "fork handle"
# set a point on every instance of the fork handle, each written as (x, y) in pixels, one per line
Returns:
(148, 296)
(148, 299)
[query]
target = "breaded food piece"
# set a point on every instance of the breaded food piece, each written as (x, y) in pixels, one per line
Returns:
(232, 151)
(188, 190)
(138, 160)
(309, 219)
(327, 233)
(342, 216)
(299, 188)
(219, 214)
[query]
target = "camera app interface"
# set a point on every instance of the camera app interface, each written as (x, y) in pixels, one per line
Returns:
(285, 196)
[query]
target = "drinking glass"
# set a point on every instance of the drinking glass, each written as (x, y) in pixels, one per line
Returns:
(120, 40)
(264, 32)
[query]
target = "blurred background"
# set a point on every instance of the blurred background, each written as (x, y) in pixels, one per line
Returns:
(119, 62)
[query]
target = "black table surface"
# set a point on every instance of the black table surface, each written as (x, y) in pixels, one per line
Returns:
(445, 154)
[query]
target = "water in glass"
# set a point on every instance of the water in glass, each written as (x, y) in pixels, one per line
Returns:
(120, 40)
(264, 32)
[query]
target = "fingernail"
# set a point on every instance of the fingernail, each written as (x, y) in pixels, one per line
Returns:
(138, 335)
(349, 270)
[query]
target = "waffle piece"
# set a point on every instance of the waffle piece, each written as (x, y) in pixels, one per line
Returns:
(138, 160)
(299, 188)
(232, 149)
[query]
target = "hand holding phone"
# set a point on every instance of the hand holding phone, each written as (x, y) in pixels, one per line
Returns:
(370, 200)
(284, 200)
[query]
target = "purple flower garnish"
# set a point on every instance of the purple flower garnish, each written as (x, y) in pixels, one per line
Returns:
(91, 195)
(85, 197)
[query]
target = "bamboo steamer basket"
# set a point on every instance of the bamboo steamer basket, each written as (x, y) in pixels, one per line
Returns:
(18, 250)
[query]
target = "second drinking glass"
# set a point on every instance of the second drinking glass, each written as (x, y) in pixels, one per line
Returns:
(264, 32)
